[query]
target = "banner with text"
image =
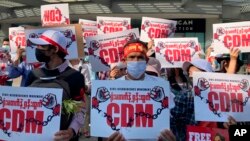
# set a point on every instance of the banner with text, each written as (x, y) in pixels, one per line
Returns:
(137, 109)
(17, 39)
(172, 52)
(156, 28)
(55, 14)
(29, 113)
(228, 35)
(112, 24)
(89, 28)
(197, 133)
(108, 49)
(218, 95)
(73, 34)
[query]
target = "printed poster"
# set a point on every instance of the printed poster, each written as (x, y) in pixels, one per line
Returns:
(231, 35)
(152, 28)
(112, 24)
(137, 109)
(107, 49)
(29, 113)
(89, 28)
(55, 14)
(197, 133)
(218, 95)
(73, 34)
(173, 52)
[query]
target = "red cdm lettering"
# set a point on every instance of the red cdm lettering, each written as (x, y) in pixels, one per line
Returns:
(16, 118)
(157, 33)
(178, 55)
(237, 40)
(225, 102)
(52, 15)
(20, 41)
(122, 114)
(111, 55)
(107, 29)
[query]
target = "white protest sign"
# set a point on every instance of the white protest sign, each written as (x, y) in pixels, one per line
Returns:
(25, 115)
(172, 52)
(89, 28)
(112, 24)
(55, 14)
(17, 39)
(228, 35)
(137, 109)
(107, 49)
(218, 95)
(152, 28)
(73, 34)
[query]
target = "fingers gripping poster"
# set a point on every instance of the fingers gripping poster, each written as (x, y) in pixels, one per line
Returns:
(217, 95)
(130, 107)
(29, 113)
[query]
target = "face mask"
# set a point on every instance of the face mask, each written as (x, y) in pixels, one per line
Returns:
(41, 57)
(86, 59)
(7, 47)
(136, 68)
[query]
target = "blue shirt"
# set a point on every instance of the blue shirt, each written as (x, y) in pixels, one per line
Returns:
(23, 69)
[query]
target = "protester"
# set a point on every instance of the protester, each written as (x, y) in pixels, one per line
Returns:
(51, 49)
(183, 112)
(136, 60)
(17, 69)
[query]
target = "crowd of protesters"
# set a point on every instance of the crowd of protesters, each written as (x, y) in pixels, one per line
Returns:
(137, 65)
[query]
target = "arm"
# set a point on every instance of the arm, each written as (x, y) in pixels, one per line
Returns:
(234, 53)
(16, 71)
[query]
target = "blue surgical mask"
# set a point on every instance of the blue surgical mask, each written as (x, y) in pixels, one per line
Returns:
(136, 68)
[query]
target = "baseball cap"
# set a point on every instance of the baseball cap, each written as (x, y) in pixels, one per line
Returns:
(199, 63)
(51, 37)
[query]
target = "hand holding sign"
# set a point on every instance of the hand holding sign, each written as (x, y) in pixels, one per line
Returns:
(49, 101)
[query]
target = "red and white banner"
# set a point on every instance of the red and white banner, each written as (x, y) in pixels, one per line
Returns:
(17, 39)
(89, 28)
(218, 95)
(172, 52)
(107, 49)
(29, 113)
(55, 14)
(152, 28)
(130, 107)
(231, 35)
(196, 133)
(112, 24)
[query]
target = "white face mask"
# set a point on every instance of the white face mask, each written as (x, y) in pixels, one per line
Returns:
(136, 68)
(7, 47)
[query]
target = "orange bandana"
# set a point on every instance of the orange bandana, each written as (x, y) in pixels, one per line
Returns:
(134, 47)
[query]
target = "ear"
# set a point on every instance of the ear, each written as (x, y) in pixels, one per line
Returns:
(56, 49)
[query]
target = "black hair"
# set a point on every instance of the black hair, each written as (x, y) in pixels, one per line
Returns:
(172, 80)
(6, 39)
(60, 53)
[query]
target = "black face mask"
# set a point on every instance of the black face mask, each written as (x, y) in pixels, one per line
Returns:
(41, 57)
